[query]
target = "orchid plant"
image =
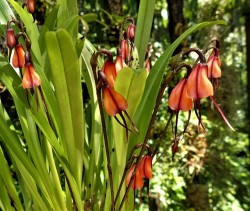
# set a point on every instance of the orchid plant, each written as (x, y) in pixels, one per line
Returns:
(69, 155)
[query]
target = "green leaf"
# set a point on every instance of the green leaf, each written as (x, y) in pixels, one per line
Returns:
(66, 78)
(67, 10)
(96, 135)
(154, 81)
(8, 181)
(143, 28)
(49, 25)
(70, 25)
(5, 12)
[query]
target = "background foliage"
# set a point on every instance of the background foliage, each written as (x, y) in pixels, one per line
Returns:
(210, 172)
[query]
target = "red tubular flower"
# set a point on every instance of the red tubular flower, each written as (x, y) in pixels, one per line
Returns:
(114, 102)
(179, 99)
(30, 6)
(30, 78)
(109, 70)
(18, 60)
(11, 38)
(125, 50)
(198, 84)
(137, 182)
(119, 63)
(214, 64)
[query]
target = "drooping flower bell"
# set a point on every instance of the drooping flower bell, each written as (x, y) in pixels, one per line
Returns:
(18, 59)
(137, 181)
(179, 99)
(30, 78)
(143, 171)
(214, 64)
(109, 69)
(145, 166)
(114, 102)
(198, 84)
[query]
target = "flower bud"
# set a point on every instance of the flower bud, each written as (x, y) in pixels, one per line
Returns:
(214, 64)
(11, 39)
(130, 33)
(30, 6)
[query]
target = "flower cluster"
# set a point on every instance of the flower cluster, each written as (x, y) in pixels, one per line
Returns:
(199, 82)
(21, 57)
(127, 56)
(143, 171)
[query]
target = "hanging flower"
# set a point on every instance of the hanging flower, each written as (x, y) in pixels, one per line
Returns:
(137, 182)
(109, 70)
(114, 102)
(198, 84)
(18, 59)
(30, 78)
(214, 64)
(145, 166)
(179, 99)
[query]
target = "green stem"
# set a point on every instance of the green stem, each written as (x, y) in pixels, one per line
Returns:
(158, 101)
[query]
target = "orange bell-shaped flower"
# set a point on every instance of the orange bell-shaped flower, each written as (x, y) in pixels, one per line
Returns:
(30, 78)
(137, 182)
(214, 64)
(179, 99)
(114, 102)
(198, 84)
(18, 59)
(109, 70)
(145, 167)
